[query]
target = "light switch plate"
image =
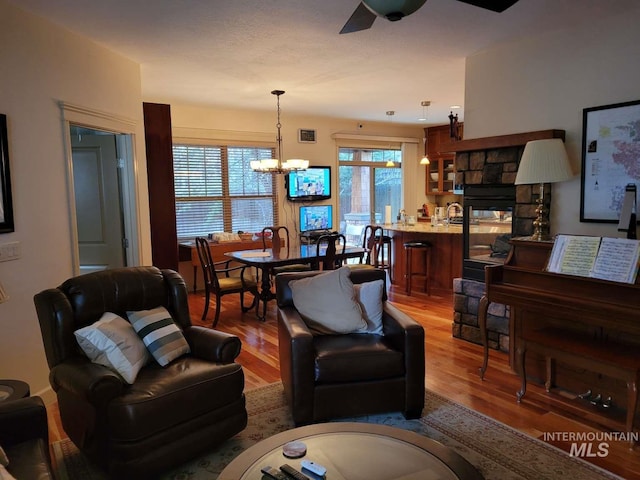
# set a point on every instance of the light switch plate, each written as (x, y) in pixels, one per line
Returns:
(10, 251)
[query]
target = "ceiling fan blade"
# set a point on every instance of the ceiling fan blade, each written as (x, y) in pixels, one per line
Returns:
(361, 19)
(493, 5)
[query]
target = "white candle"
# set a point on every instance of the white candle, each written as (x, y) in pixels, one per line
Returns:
(387, 215)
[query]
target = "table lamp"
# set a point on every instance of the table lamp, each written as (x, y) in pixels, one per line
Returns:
(543, 161)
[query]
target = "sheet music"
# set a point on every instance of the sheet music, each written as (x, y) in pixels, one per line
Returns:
(573, 255)
(614, 259)
(617, 260)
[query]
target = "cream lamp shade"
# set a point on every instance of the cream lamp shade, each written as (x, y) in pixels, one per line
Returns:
(543, 161)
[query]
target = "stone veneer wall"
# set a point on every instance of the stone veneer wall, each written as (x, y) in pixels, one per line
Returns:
(499, 166)
(466, 297)
(494, 166)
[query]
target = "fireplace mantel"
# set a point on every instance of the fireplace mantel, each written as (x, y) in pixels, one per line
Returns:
(500, 141)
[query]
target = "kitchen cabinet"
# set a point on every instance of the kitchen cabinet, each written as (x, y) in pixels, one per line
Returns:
(440, 175)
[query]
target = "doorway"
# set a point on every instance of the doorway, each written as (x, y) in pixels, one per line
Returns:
(98, 169)
(367, 185)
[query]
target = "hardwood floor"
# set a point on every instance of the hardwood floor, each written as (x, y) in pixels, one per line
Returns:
(451, 370)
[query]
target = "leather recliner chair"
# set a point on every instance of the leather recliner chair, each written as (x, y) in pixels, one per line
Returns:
(325, 376)
(24, 436)
(169, 414)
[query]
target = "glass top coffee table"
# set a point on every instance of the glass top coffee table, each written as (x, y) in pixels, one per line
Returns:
(356, 451)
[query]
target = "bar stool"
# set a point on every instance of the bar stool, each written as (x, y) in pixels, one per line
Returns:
(425, 247)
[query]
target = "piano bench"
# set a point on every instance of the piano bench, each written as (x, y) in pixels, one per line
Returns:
(612, 359)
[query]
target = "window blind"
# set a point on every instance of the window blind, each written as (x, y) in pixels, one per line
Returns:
(216, 190)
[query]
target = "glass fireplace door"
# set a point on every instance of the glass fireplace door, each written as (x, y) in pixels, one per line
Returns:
(487, 228)
(489, 234)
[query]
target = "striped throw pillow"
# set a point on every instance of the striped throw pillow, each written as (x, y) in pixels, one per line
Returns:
(162, 337)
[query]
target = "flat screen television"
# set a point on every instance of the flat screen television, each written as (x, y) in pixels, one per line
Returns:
(316, 217)
(309, 185)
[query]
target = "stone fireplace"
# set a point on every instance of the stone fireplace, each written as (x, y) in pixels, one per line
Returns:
(489, 165)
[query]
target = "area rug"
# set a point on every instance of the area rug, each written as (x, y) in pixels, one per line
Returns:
(498, 451)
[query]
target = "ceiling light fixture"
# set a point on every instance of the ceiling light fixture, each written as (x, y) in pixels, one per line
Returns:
(390, 114)
(393, 10)
(425, 107)
(276, 165)
(425, 160)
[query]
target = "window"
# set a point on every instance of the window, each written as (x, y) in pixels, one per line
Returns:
(216, 190)
(367, 184)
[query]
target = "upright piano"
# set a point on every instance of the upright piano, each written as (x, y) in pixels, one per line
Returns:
(576, 333)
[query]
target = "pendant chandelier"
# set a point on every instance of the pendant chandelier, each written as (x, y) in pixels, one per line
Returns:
(425, 105)
(276, 165)
(390, 114)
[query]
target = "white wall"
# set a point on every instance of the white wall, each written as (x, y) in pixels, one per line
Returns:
(544, 83)
(40, 65)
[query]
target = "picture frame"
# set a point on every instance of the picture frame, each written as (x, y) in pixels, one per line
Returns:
(6, 203)
(610, 150)
(306, 135)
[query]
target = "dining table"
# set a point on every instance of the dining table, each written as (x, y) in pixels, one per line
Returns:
(266, 259)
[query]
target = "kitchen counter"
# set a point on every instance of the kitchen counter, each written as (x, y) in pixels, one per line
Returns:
(456, 229)
(424, 227)
(446, 248)
(446, 253)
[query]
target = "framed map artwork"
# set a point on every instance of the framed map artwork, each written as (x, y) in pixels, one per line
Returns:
(610, 159)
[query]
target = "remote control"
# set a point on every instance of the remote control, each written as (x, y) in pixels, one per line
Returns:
(313, 467)
(273, 473)
(293, 473)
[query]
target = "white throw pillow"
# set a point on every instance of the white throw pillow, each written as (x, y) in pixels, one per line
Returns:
(327, 302)
(369, 296)
(112, 342)
(160, 334)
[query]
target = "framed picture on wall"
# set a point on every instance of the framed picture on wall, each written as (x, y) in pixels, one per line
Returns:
(610, 159)
(6, 205)
(306, 135)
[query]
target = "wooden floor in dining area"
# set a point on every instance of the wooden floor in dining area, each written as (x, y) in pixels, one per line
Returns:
(451, 370)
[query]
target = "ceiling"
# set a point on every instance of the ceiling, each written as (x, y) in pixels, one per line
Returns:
(232, 53)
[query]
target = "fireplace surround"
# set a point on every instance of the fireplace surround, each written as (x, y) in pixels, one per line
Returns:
(487, 168)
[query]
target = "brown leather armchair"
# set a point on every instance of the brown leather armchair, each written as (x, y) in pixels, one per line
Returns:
(24, 436)
(324, 376)
(169, 414)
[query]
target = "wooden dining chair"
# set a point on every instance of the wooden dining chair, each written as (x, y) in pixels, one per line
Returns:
(377, 248)
(280, 239)
(335, 246)
(218, 281)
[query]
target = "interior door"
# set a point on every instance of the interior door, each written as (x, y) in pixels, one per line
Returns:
(98, 201)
